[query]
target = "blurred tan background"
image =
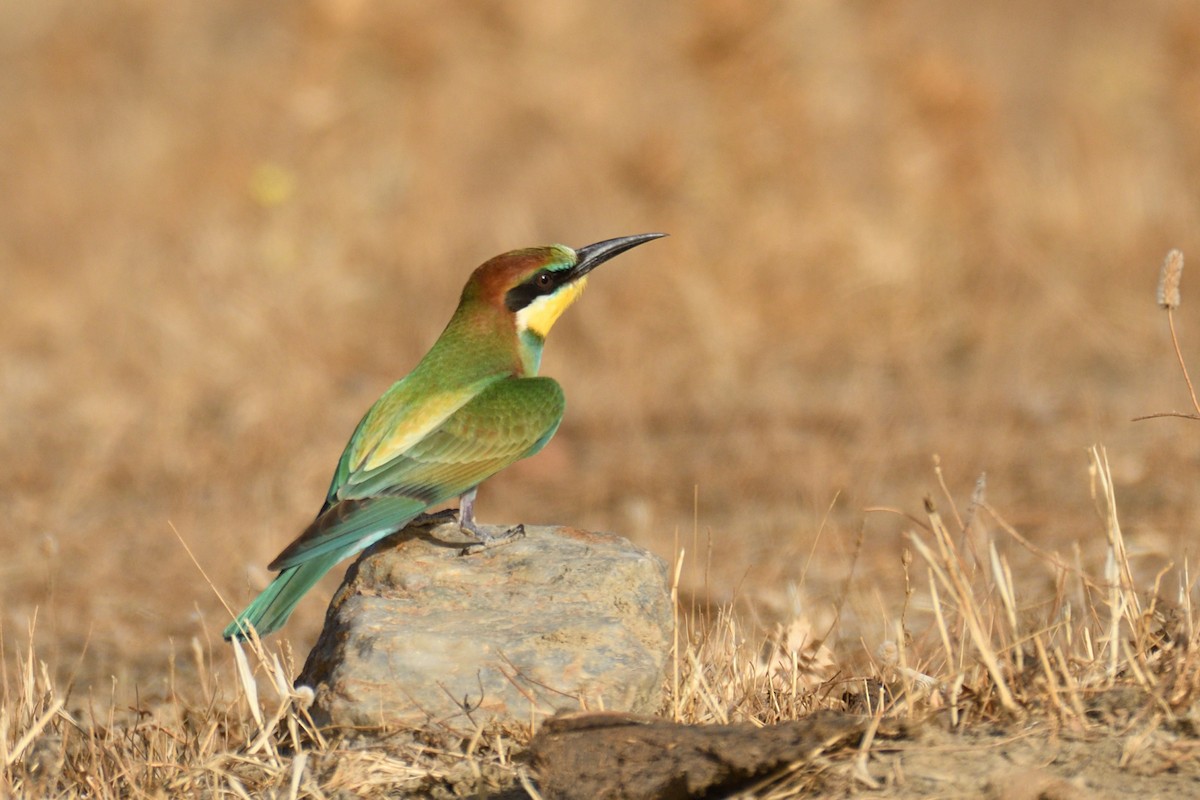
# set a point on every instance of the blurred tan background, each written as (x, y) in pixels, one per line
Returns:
(897, 230)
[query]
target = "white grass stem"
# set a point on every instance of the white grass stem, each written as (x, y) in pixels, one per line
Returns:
(33, 732)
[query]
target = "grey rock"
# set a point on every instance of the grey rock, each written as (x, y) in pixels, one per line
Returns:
(561, 619)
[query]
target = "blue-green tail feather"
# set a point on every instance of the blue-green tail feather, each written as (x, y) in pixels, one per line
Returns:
(337, 533)
(271, 609)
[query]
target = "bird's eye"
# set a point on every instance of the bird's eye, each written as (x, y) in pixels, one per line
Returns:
(543, 280)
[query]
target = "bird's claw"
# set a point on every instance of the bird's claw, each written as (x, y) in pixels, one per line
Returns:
(489, 540)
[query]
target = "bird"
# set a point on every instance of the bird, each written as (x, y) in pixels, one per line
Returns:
(473, 405)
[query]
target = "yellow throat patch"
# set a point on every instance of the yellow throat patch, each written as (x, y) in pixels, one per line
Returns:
(540, 315)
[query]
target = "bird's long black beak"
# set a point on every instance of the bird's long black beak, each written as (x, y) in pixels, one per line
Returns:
(596, 254)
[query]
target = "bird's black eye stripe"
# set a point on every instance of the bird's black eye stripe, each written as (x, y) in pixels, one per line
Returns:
(541, 283)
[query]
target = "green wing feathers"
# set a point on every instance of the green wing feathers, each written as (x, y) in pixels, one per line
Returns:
(402, 417)
(354, 524)
(507, 420)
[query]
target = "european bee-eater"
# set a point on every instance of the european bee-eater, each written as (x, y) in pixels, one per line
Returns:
(472, 406)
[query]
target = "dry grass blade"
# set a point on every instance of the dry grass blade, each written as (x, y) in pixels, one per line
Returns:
(34, 731)
(1124, 606)
(248, 683)
(298, 765)
(1002, 576)
(861, 772)
(949, 570)
(675, 658)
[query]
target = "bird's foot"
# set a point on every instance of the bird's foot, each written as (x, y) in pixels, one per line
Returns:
(488, 540)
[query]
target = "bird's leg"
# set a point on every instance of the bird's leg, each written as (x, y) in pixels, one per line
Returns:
(466, 513)
(466, 521)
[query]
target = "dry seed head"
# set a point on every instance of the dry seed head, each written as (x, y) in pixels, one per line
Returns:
(1168, 280)
(305, 695)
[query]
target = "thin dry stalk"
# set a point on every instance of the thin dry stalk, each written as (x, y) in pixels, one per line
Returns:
(1123, 602)
(861, 772)
(675, 710)
(1008, 596)
(951, 662)
(702, 689)
(1185, 599)
(1069, 683)
(1182, 364)
(33, 732)
(1054, 690)
(1169, 298)
(948, 569)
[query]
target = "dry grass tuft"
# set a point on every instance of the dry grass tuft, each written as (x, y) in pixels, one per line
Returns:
(968, 652)
(1101, 656)
(248, 734)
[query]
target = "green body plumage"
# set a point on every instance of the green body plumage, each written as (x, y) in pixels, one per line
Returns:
(471, 407)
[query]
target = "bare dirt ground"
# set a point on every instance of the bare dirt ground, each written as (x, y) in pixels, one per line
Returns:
(898, 230)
